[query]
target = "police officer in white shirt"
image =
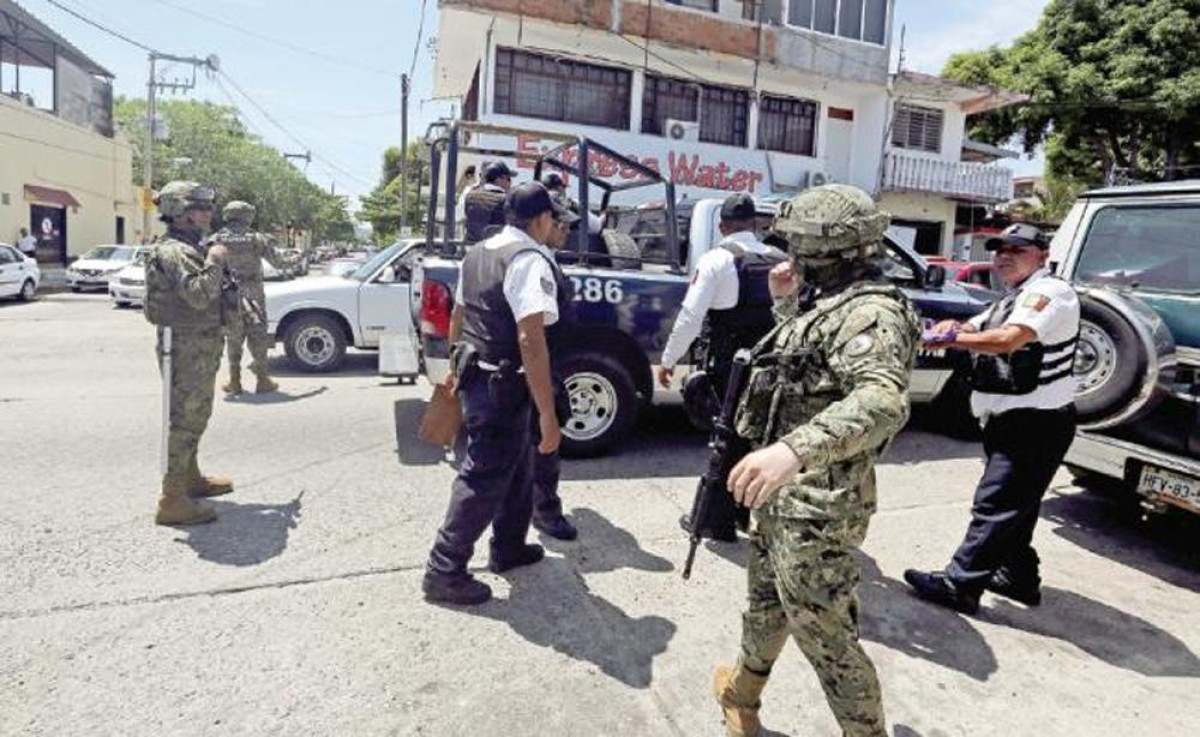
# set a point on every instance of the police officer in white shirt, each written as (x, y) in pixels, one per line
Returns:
(27, 244)
(1022, 353)
(508, 291)
(730, 293)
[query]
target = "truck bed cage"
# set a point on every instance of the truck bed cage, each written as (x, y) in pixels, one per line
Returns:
(454, 137)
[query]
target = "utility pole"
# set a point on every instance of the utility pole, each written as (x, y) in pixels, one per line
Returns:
(403, 155)
(213, 64)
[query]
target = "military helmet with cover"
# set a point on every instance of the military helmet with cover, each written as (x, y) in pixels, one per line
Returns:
(832, 221)
(177, 196)
(239, 212)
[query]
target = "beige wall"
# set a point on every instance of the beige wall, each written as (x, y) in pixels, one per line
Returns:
(930, 208)
(37, 148)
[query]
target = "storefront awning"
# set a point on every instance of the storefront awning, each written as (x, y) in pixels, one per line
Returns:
(59, 197)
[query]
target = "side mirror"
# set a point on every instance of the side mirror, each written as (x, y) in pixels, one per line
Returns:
(935, 276)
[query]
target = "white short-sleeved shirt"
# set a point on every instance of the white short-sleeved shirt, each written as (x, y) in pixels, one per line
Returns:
(714, 287)
(529, 285)
(28, 244)
(1050, 308)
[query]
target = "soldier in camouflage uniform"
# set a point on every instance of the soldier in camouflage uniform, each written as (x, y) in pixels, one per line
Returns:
(826, 395)
(183, 292)
(247, 249)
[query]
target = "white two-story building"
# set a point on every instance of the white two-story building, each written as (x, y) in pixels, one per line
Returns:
(763, 96)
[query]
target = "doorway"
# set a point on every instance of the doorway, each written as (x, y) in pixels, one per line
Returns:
(929, 235)
(49, 226)
(120, 231)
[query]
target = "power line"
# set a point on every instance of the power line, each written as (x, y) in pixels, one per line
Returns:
(272, 40)
(420, 36)
(106, 29)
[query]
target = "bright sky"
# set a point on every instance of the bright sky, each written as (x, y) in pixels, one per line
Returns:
(328, 72)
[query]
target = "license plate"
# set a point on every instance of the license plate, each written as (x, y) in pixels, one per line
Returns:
(1171, 487)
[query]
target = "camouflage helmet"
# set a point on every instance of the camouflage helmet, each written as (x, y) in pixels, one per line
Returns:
(238, 211)
(832, 221)
(176, 197)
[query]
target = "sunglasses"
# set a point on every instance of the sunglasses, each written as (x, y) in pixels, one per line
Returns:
(202, 206)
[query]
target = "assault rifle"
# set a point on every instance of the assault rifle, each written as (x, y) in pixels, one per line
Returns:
(726, 448)
(233, 294)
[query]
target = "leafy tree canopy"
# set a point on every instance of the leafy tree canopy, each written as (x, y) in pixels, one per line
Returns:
(1113, 86)
(381, 207)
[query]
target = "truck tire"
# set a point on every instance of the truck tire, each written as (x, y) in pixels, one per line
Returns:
(624, 252)
(315, 343)
(1110, 362)
(604, 404)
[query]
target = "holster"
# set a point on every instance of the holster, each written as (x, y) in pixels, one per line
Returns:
(507, 387)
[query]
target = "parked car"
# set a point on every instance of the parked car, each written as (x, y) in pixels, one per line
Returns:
(128, 287)
(1133, 253)
(19, 274)
(96, 267)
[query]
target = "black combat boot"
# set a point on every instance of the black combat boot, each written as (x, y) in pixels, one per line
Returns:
(939, 589)
(526, 555)
(461, 589)
(558, 528)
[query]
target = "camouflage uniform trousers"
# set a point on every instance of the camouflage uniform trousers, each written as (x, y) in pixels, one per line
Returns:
(802, 582)
(242, 329)
(195, 358)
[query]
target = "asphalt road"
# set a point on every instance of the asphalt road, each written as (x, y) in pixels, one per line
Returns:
(299, 611)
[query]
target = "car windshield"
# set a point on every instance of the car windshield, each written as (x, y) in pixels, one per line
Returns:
(1150, 248)
(100, 253)
(139, 259)
(362, 273)
(123, 254)
(895, 266)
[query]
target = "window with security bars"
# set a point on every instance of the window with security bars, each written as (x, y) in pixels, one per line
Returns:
(787, 125)
(918, 128)
(724, 113)
(859, 20)
(710, 5)
(539, 86)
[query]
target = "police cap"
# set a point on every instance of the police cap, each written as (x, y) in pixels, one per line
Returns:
(528, 200)
(1018, 234)
(497, 170)
(739, 206)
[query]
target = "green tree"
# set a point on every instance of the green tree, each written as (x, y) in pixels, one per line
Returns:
(381, 208)
(1113, 87)
(208, 143)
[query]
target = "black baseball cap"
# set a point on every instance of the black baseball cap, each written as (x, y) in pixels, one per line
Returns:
(553, 180)
(739, 206)
(528, 200)
(1018, 234)
(497, 170)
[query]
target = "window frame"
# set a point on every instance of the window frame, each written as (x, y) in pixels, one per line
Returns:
(714, 6)
(788, 114)
(506, 64)
(837, 21)
(741, 102)
(906, 143)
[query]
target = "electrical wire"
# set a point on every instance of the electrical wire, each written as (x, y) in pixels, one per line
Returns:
(101, 27)
(420, 36)
(272, 40)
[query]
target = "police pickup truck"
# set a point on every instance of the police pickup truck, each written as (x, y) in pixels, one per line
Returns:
(629, 283)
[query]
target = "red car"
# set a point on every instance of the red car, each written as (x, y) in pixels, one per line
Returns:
(975, 273)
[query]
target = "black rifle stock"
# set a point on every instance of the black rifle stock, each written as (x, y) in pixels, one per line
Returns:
(726, 448)
(246, 305)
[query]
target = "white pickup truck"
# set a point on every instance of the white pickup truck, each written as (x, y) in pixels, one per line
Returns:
(317, 318)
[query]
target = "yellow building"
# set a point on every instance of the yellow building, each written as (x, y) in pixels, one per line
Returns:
(65, 175)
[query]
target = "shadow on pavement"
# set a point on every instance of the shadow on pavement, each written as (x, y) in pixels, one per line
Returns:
(410, 449)
(550, 606)
(917, 445)
(354, 364)
(1119, 639)
(664, 444)
(275, 397)
(895, 618)
(1108, 525)
(244, 534)
(603, 547)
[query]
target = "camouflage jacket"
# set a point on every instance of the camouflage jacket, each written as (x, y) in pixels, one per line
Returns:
(181, 289)
(836, 394)
(247, 249)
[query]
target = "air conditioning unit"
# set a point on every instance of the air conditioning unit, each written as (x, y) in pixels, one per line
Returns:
(683, 130)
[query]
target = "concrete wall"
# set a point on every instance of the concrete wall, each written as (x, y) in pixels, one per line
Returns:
(37, 148)
(929, 208)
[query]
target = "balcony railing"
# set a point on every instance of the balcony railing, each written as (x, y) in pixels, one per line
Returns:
(905, 172)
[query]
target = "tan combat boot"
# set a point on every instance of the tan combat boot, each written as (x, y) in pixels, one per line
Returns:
(737, 691)
(201, 486)
(265, 385)
(235, 381)
(176, 509)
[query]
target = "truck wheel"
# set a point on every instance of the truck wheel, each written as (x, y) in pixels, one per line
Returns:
(623, 250)
(1110, 362)
(315, 343)
(604, 404)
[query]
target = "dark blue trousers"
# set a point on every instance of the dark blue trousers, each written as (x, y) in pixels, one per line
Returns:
(494, 484)
(1024, 450)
